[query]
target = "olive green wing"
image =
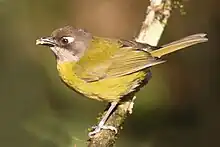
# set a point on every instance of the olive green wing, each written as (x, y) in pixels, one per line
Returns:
(122, 60)
(137, 45)
(130, 60)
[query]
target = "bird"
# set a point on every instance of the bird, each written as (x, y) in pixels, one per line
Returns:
(107, 69)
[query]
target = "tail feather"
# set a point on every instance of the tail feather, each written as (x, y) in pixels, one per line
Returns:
(179, 44)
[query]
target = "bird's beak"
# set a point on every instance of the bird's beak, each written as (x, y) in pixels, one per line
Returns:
(47, 41)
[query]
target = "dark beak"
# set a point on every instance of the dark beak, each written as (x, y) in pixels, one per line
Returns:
(47, 41)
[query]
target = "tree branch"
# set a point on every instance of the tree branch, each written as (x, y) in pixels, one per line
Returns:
(152, 28)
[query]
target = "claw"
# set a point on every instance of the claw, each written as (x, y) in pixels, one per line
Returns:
(92, 134)
(101, 124)
(112, 128)
(97, 129)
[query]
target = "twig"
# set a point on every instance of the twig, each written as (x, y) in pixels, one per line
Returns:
(156, 18)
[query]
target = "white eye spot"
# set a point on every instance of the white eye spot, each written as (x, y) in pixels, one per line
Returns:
(67, 40)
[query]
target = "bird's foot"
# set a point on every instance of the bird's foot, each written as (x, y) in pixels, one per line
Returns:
(97, 129)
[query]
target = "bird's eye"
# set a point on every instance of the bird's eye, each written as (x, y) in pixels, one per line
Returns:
(67, 40)
(64, 41)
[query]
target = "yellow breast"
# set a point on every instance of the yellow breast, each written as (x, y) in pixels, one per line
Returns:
(110, 89)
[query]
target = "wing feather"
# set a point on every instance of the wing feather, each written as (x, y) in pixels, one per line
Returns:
(122, 61)
(128, 61)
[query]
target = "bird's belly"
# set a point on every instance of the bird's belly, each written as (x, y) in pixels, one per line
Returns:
(109, 89)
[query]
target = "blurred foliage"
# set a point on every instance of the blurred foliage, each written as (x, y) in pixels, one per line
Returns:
(178, 108)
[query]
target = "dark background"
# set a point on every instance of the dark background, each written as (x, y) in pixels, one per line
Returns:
(178, 108)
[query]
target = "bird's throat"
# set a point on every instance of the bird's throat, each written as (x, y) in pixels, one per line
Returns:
(64, 55)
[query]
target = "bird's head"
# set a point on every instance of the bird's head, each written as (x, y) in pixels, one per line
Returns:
(67, 43)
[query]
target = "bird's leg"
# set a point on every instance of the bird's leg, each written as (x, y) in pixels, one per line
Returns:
(101, 124)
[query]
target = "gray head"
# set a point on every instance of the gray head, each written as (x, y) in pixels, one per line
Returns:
(67, 43)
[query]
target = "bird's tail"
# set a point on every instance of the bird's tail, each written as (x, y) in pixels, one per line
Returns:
(179, 44)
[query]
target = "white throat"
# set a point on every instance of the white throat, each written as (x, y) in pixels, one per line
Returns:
(64, 55)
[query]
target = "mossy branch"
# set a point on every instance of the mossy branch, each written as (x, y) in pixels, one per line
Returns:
(157, 15)
(107, 138)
